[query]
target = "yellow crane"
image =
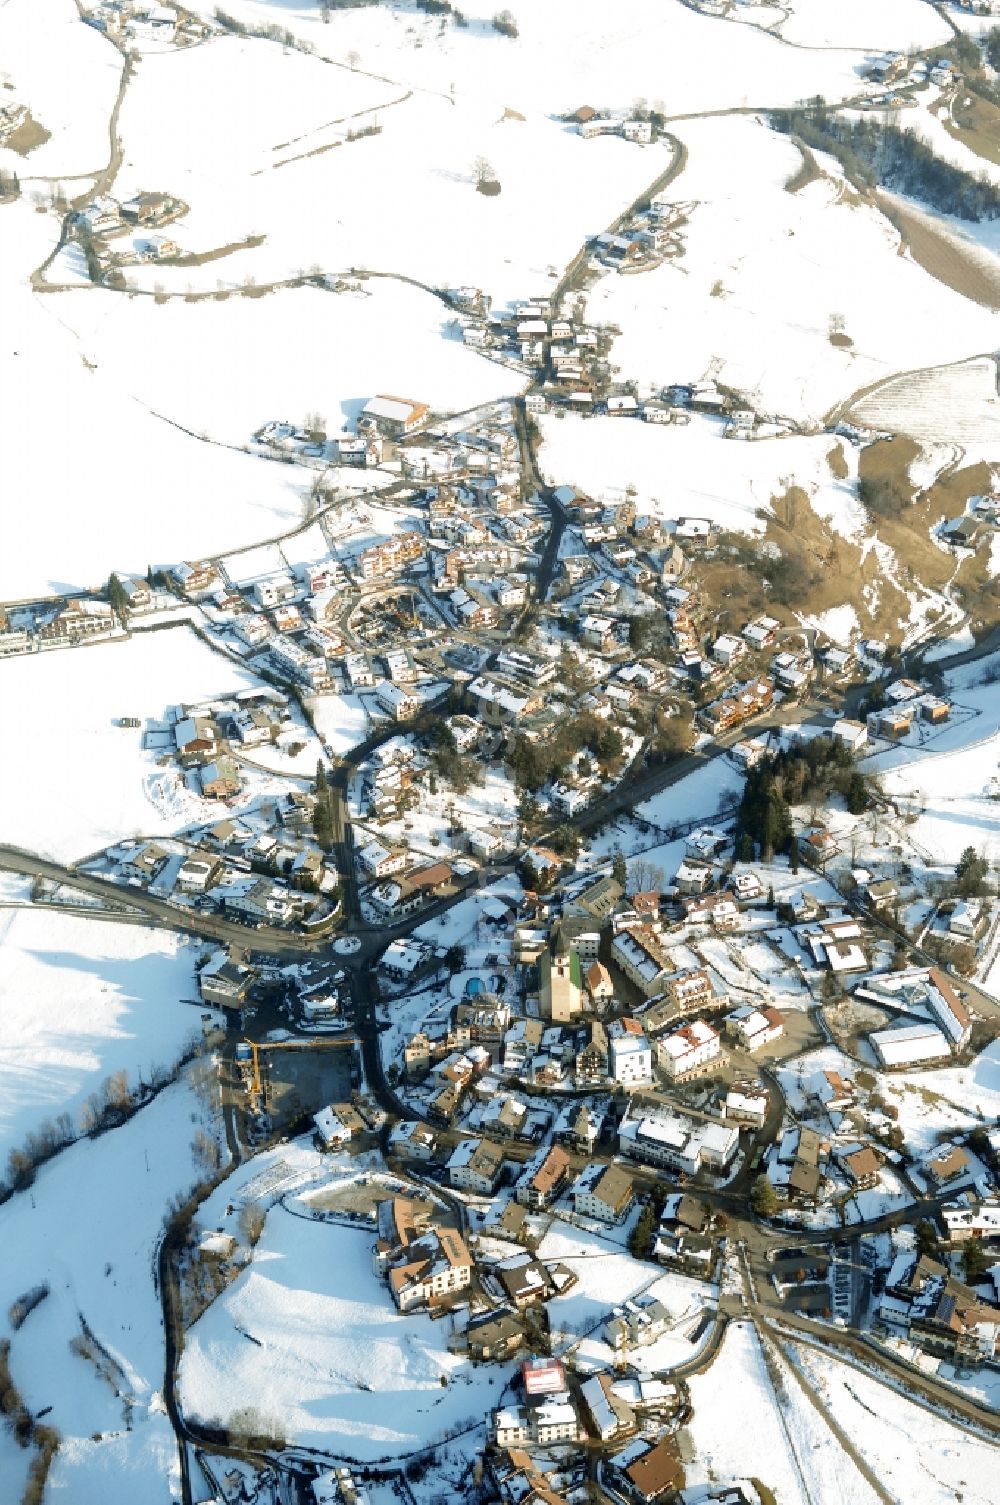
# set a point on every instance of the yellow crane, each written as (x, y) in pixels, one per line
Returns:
(258, 1047)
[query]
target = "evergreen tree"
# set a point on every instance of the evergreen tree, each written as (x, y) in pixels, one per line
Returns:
(118, 599)
(619, 871)
(763, 1198)
(970, 873)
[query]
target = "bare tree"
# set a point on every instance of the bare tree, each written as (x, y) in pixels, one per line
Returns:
(644, 876)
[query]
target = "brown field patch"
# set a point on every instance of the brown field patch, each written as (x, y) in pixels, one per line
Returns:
(27, 137)
(975, 122)
(943, 256)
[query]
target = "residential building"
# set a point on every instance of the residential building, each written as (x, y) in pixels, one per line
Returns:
(691, 1048)
(604, 1192)
(437, 1265)
(476, 1165)
(639, 955)
(543, 1178)
(224, 981)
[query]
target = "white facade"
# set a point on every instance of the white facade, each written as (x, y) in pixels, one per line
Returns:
(688, 1049)
(631, 1060)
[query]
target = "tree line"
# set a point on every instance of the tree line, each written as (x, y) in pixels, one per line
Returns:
(878, 154)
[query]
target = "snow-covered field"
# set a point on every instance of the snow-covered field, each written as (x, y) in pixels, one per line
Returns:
(916, 1455)
(605, 1278)
(954, 1099)
(954, 403)
(252, 178)
(101, 483)
(83, 783)
(738, 1416)
(764, 274)
(902, 24)
(948, 787)
(80, 999)
(67, 76)
(309, 1335)
(90, 1228)
(293, 352)
(689, 470)
(573, 51)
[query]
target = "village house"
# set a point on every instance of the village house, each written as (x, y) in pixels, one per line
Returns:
(746, 1105)
(476, 1165)
(220, 780)
(197, 873)
(495, 1337)
(225, 981)
(543, 1178)
(393, 417)
(604, 1192)
(196, 581)
(754, 1028)
(630, 1055)
(647, 1474)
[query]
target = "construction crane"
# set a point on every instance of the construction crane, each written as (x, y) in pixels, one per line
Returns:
(251, 1050)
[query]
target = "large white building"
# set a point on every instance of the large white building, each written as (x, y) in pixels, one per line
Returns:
(690, 1048)
(631, 1058)
(909, 1044)
(661, 1137)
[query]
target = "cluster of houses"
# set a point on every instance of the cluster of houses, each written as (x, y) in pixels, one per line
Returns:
(498, 1304)
(136, 25)
(258, 863)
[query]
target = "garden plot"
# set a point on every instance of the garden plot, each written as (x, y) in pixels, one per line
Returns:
(571, 51)
(888, 1196)
(700, 795)
(919, 1456)
(71, 1232)
(429, 828)
(686, 1300)
(108, 788)
(294, 352)
(311, 1335)
(793, 1076)
(767, 276)
(127, 985)
(464, 922)
(958, 403)
(950, 787)
(952, 1099)
(341, 722)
